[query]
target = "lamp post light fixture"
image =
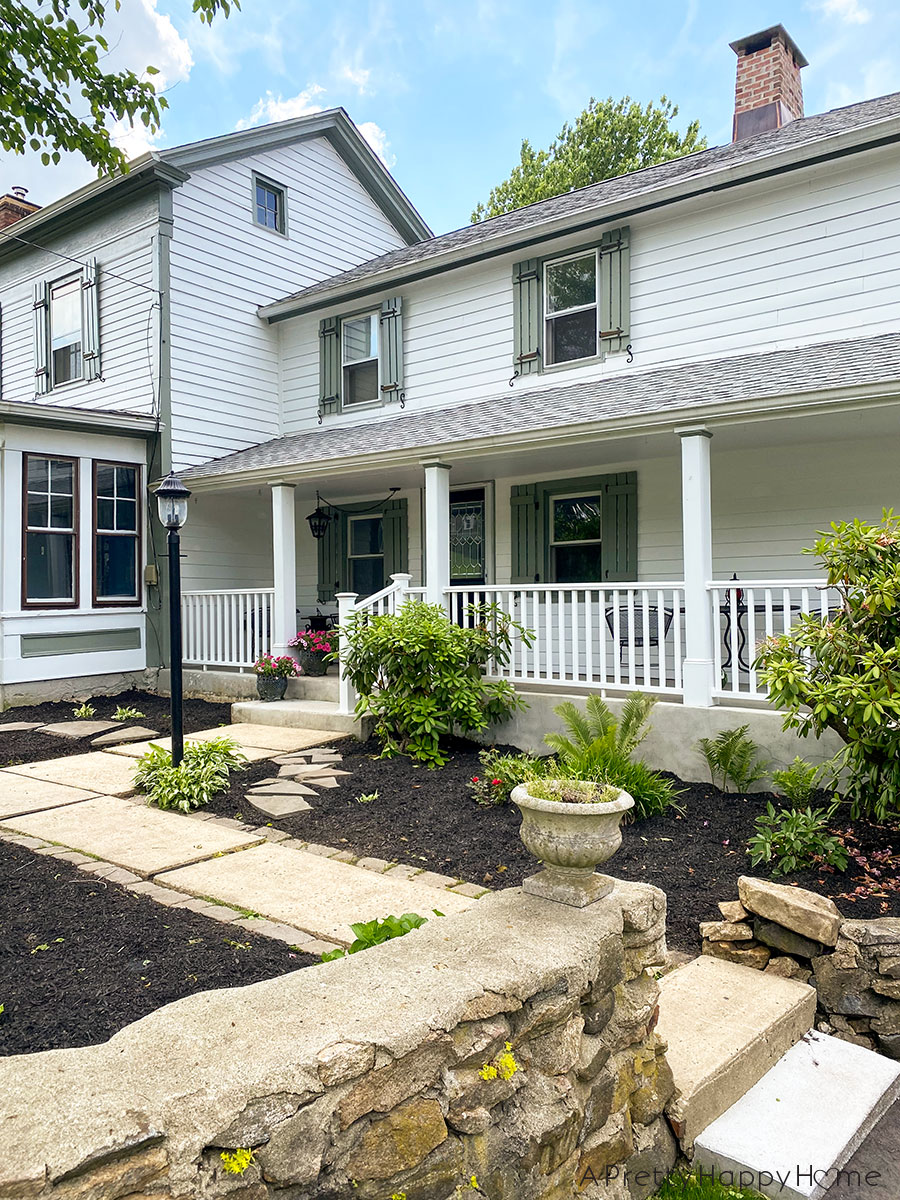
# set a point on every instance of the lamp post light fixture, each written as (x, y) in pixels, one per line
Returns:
(172, 501)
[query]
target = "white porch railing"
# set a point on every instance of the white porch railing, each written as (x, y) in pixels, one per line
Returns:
(230, 628)
(749, 611)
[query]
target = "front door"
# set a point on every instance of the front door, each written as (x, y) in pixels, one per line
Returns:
(467, 538)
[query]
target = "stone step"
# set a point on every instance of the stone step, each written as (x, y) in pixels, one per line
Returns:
(301, 714)
(726, 1026)
(791, 1134)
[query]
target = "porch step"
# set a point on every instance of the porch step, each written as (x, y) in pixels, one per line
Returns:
(299, 714)
(241, 685)
(726, 1026)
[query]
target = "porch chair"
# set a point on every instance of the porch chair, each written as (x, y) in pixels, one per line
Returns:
(626, 614)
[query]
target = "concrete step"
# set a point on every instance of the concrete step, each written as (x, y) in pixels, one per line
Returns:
(726, 1026)
(241, 685)
(299, 714)
(791, 1134)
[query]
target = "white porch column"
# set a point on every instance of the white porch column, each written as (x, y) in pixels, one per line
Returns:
(436, 535)
(698, 672)
(346, 602)
(284, 552)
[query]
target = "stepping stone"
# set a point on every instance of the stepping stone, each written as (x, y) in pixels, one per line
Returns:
(142, 839)
(280, 787)
(803, 1120)
(19, 794)
(320, 756)
(95, 772)
(278, 806)
(138, 749)
(79, 729)
(302, 771)
(309, 892)
(136, 733)
(274, 738)
(325, 781)
(19, 726)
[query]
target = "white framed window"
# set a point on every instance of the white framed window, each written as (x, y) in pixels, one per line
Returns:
(50, 532)
(365, 553)
(576, 538)
(570, 308)
(116, 533)
(269, 205)
(360, 358)
(66, 330)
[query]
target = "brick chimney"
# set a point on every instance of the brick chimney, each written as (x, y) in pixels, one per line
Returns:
(768, 92)
(14, 206)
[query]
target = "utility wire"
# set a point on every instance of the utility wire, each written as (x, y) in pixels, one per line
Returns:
(80, 263)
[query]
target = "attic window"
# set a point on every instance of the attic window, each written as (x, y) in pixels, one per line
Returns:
(269, 205)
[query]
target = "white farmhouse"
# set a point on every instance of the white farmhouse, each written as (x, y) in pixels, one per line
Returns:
(619, 413)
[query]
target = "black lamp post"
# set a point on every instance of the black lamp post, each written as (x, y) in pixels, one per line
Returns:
(172, 498)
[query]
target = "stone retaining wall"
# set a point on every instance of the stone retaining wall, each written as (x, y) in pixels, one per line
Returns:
(853, 965)
(508, 1051)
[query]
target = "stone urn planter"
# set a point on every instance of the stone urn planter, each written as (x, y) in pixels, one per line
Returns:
(310, 662)
(271, 687)
(570, 838)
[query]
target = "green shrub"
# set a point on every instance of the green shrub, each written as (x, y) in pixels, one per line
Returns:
(600, 749)
(844, 673)
(203, 771)
(733, 757)
(791, 838)
(421, 675)
(797, 782)
(499, 773)
(373, 933)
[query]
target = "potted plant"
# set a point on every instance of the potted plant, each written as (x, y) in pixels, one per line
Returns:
(571, 826)
(311, 646)
(272, 675)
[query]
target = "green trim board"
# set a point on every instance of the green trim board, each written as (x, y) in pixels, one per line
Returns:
(88, 641)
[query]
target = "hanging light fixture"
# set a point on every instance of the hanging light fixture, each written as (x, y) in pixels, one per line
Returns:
(322, 517)
(319, 521)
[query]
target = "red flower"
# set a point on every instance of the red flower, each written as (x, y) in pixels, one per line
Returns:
(474, 778)
(495, 782)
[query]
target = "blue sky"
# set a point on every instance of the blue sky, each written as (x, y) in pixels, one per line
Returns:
(446, 91)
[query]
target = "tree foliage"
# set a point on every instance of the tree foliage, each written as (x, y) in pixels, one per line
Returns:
(55, 95)
(611, 137)
(844, 673)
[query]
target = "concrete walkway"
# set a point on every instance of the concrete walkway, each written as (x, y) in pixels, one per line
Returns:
(82, 810)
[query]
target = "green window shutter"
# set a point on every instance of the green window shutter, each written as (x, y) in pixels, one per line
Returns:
(41, 338)
(527, 317)
(329, 366)
(619, 520)
(331, 561)
(90, 321)
(526, 530)
(615, 290)
(396, 538)
(392, 348)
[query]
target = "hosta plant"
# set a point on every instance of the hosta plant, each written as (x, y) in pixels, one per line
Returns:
(373, 933)
(843, 674)
(203, 772)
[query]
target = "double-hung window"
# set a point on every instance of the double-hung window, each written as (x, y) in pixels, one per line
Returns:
(576, 538)
(49, 558)
(570, 308)
(365, 537)
(65, 330)
(269, 207)
(116, 534)
(359, 358)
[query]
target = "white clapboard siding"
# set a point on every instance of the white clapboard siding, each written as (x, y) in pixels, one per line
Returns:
(122, 242)
(225, 360)
(807, 258)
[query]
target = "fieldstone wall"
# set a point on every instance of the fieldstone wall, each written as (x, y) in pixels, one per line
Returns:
(853, 965)
(508, 1051)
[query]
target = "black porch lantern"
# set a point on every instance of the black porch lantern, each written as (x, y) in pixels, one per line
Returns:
(172, 499)
(319, 522)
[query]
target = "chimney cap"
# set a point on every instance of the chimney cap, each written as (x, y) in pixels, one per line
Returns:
(19, 192)
(765, 37)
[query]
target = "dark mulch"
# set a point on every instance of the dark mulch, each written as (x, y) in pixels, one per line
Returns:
(80, 957)
(27, 747)
(428, 818)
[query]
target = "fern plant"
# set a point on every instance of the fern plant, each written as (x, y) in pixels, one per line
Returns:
(734, 757)
(599, 748)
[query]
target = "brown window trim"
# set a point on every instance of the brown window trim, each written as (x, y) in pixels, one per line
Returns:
(51, 605)
(137, 601)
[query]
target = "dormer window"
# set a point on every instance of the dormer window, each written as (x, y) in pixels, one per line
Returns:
(269, 205)
(359, 358)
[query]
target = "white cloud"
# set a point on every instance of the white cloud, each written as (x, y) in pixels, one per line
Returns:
(847, 11)
(377, 139)
(877, 79)
(270, 108)
(357, 76)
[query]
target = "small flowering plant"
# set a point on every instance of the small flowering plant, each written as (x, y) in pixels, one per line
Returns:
(282, 667)
(312, 641)
(500, 773)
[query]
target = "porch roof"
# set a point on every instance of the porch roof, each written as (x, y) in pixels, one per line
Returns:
(628, 399)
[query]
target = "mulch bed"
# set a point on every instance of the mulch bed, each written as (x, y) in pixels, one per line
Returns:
(24, 747)
(81, 957)
(428, 818)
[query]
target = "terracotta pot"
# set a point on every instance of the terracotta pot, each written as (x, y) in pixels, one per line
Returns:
(570, 839)
(310, 662)
(271, 687)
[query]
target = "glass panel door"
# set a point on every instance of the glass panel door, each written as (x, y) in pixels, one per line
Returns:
(467, 537)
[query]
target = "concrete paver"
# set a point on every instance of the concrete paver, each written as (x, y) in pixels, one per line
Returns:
(77, 729)
(95, 772)
(276, 738)
(23, 794)
(275, 805)
(117, 737)
(19, 726)
(307, 891)
(138, 749)
(145, 840)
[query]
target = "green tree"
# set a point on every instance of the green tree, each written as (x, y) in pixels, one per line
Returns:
(55, 95)
(611, 137)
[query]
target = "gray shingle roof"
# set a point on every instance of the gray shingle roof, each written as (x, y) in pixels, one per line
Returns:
(689, 386)
(805, 132)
